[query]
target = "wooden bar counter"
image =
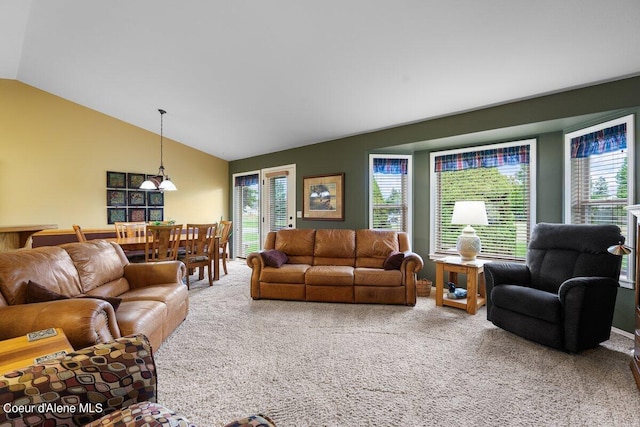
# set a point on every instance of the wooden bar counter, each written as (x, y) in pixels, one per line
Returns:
(19, 236)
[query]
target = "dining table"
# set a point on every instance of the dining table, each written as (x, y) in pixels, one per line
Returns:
(139, 243)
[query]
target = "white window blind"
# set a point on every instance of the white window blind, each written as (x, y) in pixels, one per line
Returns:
(246, 205)
(276, 185)
(598, 174)
(501, 175)
(390, 192)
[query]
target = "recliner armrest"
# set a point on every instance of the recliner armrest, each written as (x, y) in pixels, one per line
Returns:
(588, 305)
(504, 273)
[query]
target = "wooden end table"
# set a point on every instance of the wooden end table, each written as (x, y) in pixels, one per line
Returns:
(476, 291)
(20, 352)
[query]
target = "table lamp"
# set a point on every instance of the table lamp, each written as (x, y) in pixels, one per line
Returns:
(469, 212)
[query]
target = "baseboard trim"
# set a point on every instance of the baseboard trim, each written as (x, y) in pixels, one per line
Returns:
(621, 332)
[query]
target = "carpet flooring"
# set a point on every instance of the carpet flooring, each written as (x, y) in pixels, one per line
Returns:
(317, 364)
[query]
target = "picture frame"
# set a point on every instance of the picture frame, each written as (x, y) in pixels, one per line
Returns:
(323, 197)
(137, 198)
(156, 214)
(135, 180)
(116, 179)
(137, 215)
(155, 198)
(116, 215)
(116, 198)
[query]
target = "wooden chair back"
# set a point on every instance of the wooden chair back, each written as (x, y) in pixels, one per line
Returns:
(79, 233)
(224, 233)
(162, 242)
(130, 229)
(199, 249)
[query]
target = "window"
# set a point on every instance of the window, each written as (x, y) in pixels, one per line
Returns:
(390, 192)
(246, 214)
(598, 175)
(501, 175)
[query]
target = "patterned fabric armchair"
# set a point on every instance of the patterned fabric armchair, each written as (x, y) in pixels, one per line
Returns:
(106, 384)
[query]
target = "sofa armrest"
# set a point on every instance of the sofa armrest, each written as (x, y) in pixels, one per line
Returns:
(154, 273)
(256, 262)
(112, 376)
(411, 265)
(85, 321)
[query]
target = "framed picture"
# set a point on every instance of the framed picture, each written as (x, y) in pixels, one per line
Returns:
(135, 180)
(116, 214)
(116, 180)
(323, 197)
(137, 214)
(155, 198)
(137, 198)
(116, 198)
(156, 214)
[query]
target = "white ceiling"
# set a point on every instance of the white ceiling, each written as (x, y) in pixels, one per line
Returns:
(240, 78)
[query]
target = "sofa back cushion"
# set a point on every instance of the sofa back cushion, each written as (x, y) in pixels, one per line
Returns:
(296, 244)
(49, 266)
(335, 247)
(374, 246)
(97, 261)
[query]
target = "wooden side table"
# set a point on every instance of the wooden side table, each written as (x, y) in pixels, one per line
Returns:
(20, 352)
(476, 291)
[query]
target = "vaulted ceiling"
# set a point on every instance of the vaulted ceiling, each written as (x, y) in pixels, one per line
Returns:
(240, 78)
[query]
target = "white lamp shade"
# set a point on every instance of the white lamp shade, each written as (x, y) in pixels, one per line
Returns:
(167, 185)
(148, 185)
(469, 212)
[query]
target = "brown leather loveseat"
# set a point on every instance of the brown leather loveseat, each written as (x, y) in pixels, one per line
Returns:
(92, 292)
(352, 266)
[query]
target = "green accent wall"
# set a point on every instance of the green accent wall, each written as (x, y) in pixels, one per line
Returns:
(545, 118)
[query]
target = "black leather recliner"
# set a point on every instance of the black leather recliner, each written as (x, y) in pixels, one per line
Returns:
(564, 296)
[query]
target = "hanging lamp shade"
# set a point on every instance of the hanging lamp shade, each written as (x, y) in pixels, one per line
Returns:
(161, 181)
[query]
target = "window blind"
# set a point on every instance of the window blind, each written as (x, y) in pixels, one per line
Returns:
(501, 176)
(599, 168)
(389, 192)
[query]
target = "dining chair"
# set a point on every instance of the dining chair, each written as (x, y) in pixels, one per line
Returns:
(136, 229)
(199, 250)
(130, 229)
(162, 242)
(224, 231)
(79, 233)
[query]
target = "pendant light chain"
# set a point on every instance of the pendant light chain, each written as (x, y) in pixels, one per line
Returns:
(162, 113)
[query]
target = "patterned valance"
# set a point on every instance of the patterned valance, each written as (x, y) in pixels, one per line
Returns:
(483, 158)
(247, 180)
(606, 140)
(390, 166)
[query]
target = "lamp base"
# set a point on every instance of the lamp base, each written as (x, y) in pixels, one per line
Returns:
(468, 244)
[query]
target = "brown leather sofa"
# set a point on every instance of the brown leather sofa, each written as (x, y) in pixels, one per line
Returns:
(152, 298)
(351, 266)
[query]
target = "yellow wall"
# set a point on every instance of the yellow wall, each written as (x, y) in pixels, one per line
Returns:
(54, 155)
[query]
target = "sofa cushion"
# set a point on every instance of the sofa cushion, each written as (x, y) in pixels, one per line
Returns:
(297, 244)
(50, 266)
(335, 247)
(288, 273)
(274, 258)
(141, 317)
(332, 275)
(374, 246)
(377, 277)
(97, 261)
(38, 293)
(394, 261)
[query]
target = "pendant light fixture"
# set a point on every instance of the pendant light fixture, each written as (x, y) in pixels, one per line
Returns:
(160, 182)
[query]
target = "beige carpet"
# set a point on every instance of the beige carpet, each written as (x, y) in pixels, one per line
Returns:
(312, 364)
